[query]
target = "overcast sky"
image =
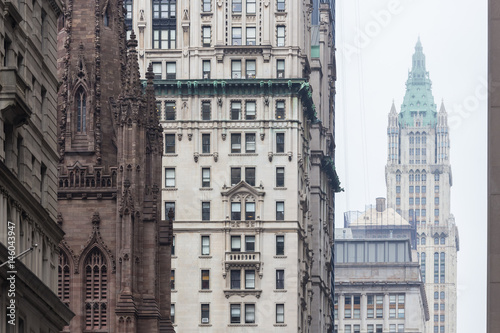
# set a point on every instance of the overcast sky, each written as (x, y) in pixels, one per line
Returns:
(375, 40)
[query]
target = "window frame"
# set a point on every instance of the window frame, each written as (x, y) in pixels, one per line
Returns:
(280, 176)
(169, 143)
(205, 177)
(280, 210)
(171, 178)
(280, 143)
(205, 214)
(205, 246)
(249, 143)
(205, 143)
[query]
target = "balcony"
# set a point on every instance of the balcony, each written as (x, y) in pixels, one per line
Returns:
(13, 103)
(242, 257)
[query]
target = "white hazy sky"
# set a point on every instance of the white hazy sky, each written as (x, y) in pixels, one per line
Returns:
(375, 40)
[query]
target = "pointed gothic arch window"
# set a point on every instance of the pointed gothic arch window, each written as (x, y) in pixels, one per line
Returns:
(96, 291)
(81, 110)
(64, 277)
(106, 17)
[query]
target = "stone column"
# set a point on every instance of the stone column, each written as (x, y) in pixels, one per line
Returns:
(386, 312)
(364, 304)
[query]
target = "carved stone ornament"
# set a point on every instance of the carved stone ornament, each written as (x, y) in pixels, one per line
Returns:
(196, 156)
(190, 136)
(216, 156)
(179, 136)
(270, 156)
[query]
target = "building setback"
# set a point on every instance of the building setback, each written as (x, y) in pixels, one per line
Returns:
(28, 172)
(115, 258)
(245, 96)
(418, 178)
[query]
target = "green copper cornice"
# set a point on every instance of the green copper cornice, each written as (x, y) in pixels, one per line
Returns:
(418, 104)
(252, 87)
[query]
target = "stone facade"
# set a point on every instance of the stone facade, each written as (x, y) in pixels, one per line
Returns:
(115, 258)
(419, 178)
(245, 92)
(28, 166)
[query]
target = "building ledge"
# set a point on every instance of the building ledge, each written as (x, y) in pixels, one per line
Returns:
(242, 292)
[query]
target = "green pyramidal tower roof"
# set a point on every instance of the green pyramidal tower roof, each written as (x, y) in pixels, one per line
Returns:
(418, 105)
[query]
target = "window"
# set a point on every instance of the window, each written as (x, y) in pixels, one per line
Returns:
(398, 201)
(436, 295)
(441, 295)
(369, 328)
(379, 299)
(347, 329)
(235, 279)
(423, 241)
(392, 328)
(250, 176)
(163, 9)
(443, 241)
(424, 189)
(280, 69)
(398, 189)
(235, 308)
(280, 177)
(157, 70)
(249, 279)
(205, 110)
(236, 211)
(424, 212)
(205, 177)
(250, 67)
(172, 249)
(436, 200)
(64, 278)
(207, 36)
(81, 111)
(171, 71)
(411, 189)
(417, 189)
(205, 211)
(370, 306)
(250, 112)
(172, 279)
(236, 35)
(280, 313)
(207, 5)
(251, 9)
(235, 176)
(205, 143)
(164, 38)
(235, 143)
(280, 245)
(280, 110)
(235, 110)
(251, 40)
(205, 313)
(170, 177)
(436, 189)
(436, 212)
(237, 6)
(250, 211)
(379, 328)
(411, 201)
(168, 206)
(280, 35)
(250, 243)
(441, 329)
(249, 313)
(436, 177)
(280, 142)
(205, 245)
(436, 240)
(172, 313)
(205, 279)
(169, 143)
(280, 211)
(424, 200)
(441, 306)
(280, 5)
(280, 279)
(236, 69)
(96, 290)
(250, 143)
(169, 110)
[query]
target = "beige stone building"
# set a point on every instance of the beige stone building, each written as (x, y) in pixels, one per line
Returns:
(28, 173)
(245, 91)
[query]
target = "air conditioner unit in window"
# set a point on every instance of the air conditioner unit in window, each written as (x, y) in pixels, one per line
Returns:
(204, 320)
(236, 76)
(206, 76)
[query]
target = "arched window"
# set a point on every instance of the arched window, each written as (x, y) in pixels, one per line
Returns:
(63, 278)
(81, 111)
(423, 241)
(96, 291)
(106, 18)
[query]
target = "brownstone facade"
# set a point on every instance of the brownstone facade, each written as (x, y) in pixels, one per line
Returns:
(114, 268)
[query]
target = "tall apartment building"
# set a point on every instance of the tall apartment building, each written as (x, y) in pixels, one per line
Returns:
(419, 178)
(115, 257)
(245, 92)
(28, 168)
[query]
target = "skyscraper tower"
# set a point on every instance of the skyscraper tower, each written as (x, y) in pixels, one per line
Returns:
(114, 261)
(418, 177)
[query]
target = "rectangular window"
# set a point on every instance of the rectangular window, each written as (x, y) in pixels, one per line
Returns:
(280, 245)
(398, 189)
(172, 248)
(172, 313)
(250, 211)
(235, 176)
(250, 108)
(280, 5)
(236, 35)
(235, 279)
(169, 110)
(157, 70)
(169, 177)
(164, 38)
(280, 69)
(205, 111)
(280, 279)
(251, 40)
(235, 243)
(205, 245)
(171, 71)
(250, 143)
(205, 177)
(205, 313)
(207, 5)
(280, 110)
(207, 36)
(235, 143)
(347, 329)
(235, 309)
(251, 9)
(280, 142)
(250, 68)
(205, 143)
(411, 189)
(379, 328)
(169, 143)
(436, 200)
(170, 206)
(235, 110)
(205, 211)
(237, 6)
(172, 279)
(249, 313)
(236, 211)
(356, 328)
(249, 279)
(236, 69)
(436, 189)
(280, 313)
(249, 243)
(392, 328)
(280, 210)
(206, 70)
(205, 279)
(417, 189)
(424, 189)
(280, 177)
(369, 328)
(401, 328)
(436, 212)
(280, 36)
(250, 176)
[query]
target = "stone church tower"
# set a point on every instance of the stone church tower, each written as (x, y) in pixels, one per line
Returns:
(114, 264)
